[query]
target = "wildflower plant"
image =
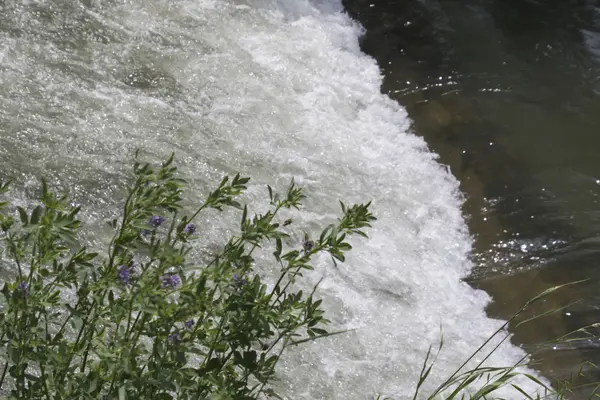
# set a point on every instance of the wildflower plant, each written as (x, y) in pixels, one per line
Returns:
(144, 320)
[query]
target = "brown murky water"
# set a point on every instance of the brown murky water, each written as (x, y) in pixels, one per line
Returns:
(507, 92)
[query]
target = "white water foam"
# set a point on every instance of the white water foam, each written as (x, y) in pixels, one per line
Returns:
(274, 89)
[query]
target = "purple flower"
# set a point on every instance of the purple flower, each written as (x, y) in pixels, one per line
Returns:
(189, 324)
(174, 337)
(23, 288)
(239, 281)
(308, 245)
(170, 281)
(165, 281)
(189, 229)
(124, 274)
(156, 221)
(175, 281)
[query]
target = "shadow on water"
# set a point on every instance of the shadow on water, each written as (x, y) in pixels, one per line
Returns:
(506, 92)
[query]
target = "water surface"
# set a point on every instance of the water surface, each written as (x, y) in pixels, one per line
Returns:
(275, 90)
(507, 92)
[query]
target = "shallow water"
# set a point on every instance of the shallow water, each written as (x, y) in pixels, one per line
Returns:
(507, 92)
(272, 89)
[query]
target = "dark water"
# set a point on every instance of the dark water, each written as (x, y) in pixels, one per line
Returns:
(508, 93)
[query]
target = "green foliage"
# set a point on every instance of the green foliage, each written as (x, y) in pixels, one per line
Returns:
(145, 321)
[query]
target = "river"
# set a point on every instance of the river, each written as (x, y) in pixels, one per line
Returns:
(507, 92)
(277, 89)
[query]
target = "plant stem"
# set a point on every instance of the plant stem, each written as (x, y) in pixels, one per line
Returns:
(31, 265)
(47, 391)
(87, 350)
(262, 386)
(112, 248)
(443, 385)
(3, 374)
(212, 347)
(13, 249)
(63, 374)
(64, 324)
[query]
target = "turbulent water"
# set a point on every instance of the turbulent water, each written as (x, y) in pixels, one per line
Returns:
(273, 89)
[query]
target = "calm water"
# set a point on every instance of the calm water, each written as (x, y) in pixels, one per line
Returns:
(273, 89)
(508, 93)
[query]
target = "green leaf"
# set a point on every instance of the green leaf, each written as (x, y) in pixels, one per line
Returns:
(196, 350)
(249, 359)
(200, 285)
(297, 342)
(76, 322)
(6, 291)
(326, 232)
(211, 365)
(35, 215)
(279, 248)
(344, 246)
(31, 377)
(122, 393)
(522, 392)
(336, 254)
(270, 392)
(22, 215)
(553, 289)
(244, 216)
